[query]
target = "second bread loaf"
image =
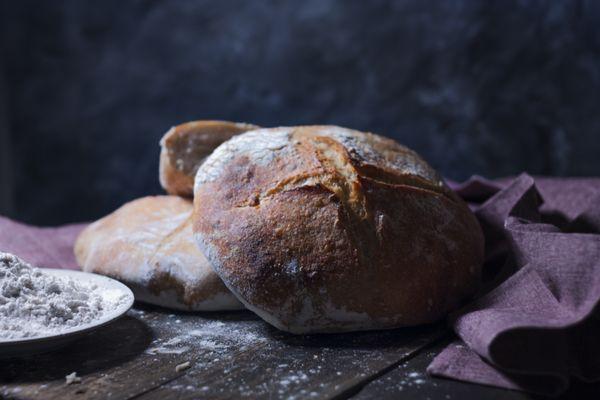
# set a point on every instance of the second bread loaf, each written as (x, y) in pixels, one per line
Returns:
(147, 244)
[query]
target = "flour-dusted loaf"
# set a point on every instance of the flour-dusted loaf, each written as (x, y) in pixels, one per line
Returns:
(184, 148)
(148, 245)
(326, 229)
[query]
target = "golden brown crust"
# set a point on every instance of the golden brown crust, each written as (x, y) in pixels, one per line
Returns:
(324, 229)
(148, 245)
(184, 147)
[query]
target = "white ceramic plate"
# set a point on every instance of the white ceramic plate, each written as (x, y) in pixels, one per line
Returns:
(42, 343)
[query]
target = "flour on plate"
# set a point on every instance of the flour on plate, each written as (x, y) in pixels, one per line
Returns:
(33, 303)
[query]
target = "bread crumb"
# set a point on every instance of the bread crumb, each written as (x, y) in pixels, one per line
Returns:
(182, 366)
(72, 378)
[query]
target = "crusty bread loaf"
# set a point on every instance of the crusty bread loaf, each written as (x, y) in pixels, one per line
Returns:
(148, 245)
(326, 229)
(184, 148)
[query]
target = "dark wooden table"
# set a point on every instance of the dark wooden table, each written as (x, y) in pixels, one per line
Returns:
(236, 355)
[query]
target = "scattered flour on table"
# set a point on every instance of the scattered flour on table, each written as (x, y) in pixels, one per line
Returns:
(211, 336)
(72, 378)
(33, 303)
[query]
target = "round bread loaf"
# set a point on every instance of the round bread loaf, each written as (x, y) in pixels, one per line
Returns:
(148, 245)
(326, 229)
(184, 147)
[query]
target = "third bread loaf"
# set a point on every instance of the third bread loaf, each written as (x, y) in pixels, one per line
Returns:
(184, 147)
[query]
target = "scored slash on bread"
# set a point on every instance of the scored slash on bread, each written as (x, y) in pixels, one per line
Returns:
(148, 245)
(327, 229)
(184, 147)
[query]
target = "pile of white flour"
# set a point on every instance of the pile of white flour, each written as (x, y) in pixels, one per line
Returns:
(33, 303)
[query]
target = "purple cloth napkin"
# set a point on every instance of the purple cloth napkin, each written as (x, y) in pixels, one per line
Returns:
(42, 247)
(536, 322)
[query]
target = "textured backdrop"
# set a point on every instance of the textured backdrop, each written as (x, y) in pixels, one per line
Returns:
(477, 87)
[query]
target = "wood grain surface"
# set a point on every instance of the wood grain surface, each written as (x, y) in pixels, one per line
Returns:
(231, 356)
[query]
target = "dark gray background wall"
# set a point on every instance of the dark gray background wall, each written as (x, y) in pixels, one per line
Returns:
(477, 87)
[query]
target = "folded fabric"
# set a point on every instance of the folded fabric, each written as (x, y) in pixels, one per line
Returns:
(536, 321)
(42, 247)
